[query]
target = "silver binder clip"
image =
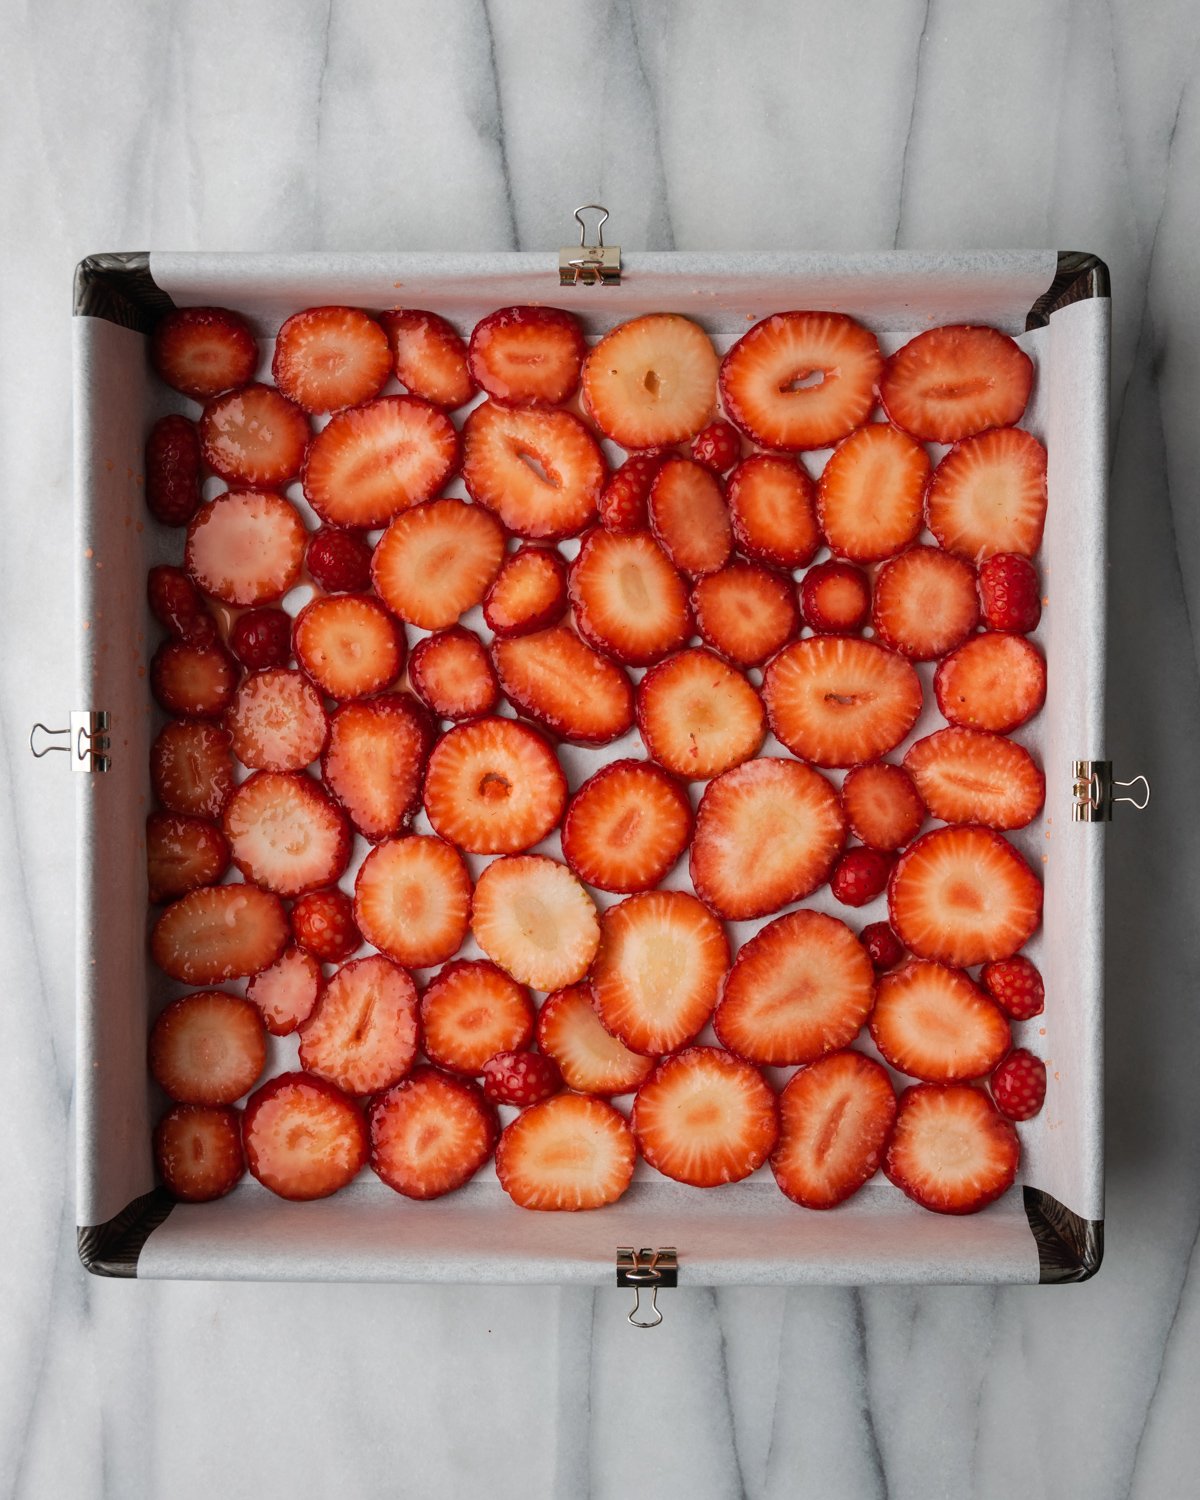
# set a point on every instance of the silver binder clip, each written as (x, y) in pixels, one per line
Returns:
(647, 1269)
(87, 740)
(1094, 791)
(590, 264)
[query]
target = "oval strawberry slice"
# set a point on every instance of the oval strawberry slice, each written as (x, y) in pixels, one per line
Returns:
(567, 1153)
(219, 932)
(494, 787)
(349, 645)
(559, 681)
(198, 1151)
(412, 900)
(254, 436)
(286, 834)
(430, 1134)
(529, 592)
(207, 1048)
(202, 351)
(951, 1150)
(871, 493)
(745, 612)
(181, 854)
(969, 776)
(882, 805)
(988, 495)
(375, 761)
(773, 510)
(533, 918)
(591, 1060)
(689, 517)
(470, 1011)
(932, 1023)
(286, 992)
(704, 1117)
(527, 356)
(836, 598)
(190, 768)
(246, 547)
(362, 1033)
(926, 603)
(195, 682)
(303, 1138)
(994, 681)
(501, 445)
(452, 674)
(950, 382)
(699, 716)
(436, 561)
(330, 357)
(651, 382)
(626, 827)
(629, 601)
(835, 1117)
(277, 721)
(430, 356)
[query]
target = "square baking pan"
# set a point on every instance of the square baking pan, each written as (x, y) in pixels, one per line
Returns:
(1048, 1227)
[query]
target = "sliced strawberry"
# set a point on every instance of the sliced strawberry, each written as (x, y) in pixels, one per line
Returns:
(374, 461)
(527, 356)
(836, 598)
(198, 1151)
(362, 1033)
(173, 471)
(436, 561)
(767, 386)
(1016, 987)
(1019, 1085)
(563, 684)
(767, 834)
(338, 561)
(286, 992)
(262, 638)
(494, 787)
(471, 1011)
(196, 682)
(704, 1117)
(950, 382)
(773, 510)
(629, 601)
(626, 826)
(801, 987)
(528, 593)
(988, 495)
(835, 1117)
(412, 900)
(303, 1138)
(533, 918)
(871, 493)
(963, 896)
(323, 925)
(689, 517)
(993, 681)
(926, 603)
(951, 1150)
(286, 834)
(254, 436)
(718, 447)
(181, 854)
(591, 1060)
(178, 608)
(430, 356)
(246, 547)
(969, 776)
(837, 701)
(277, 721)
(349, 645)
(569, 1152)
(542, 472)
(430, 1134)
(330, 357)
(882, 805)
(651, 381)
(207, 1048)
(932, 1023)
(745, 612)
(859, 876)
(203, 351)
(375, 762)
(699, 716)
(520, 1078)
(882, 945)
(219, 932)
(191, 770)
(658, 973)
(623, 505)
(452, 674)
(1008, 593)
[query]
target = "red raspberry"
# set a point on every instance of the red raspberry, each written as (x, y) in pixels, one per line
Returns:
(173, 471)
(338, 561)
(178, 607)
(882, 945)
(262, 638)
(1008, 593)
(623, 503)
(323, 924)
(835, 597)
(1019, 1085)
(859, 876)
(718, 447)
(520, 1078)
(1016, 987)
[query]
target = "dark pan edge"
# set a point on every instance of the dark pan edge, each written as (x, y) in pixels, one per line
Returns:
(1080, 276)
(120, 289)
(112, 1249)
(1069, 1248)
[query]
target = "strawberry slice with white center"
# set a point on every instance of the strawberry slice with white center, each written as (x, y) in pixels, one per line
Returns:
(303, 1138)
(767, 834)
(207, 1048)
(173, 470)
(375, 761)
(951, 1150)
(190, 769)
(591, 1060)
(559, 681)
(196, 682)
(836, 598)
(570, 1152)
(689, 517)
(993, 681)
(330, 357)
(705, 1117)
(699, 716)
(926, 603)
(626, 826)
(430, 356)
(349, 645)
(286, 992)
(202, 351)
(533, 918)
(629, 601)
(412, 900)
(882, 805)
(246, 547)
(773, 510)
(988, 495)
(362, 1034)
(278, 721)
(970, 776)
(623, 505)
(745, 612)
(659, 970)
(494, 787)
(219, 932)
(870, 497)
(542, 472)
(527, 356)
(198, 1151)
(286, 834)
(651, 382)
(181, 854)
(953, 381)
(452, 674)
(529, 592)
(430, 1134)
(471, 1011)
(835, 1117)
(436, 561)
(963, 896)
(254, 436)
(932, 1023)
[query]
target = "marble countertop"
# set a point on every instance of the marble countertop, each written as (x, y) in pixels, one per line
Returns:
(371, 125)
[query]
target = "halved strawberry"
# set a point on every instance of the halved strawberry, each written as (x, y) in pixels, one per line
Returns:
(699, 716)
(569, 1152)
(375, 761)
(196, 682)
(950, 382)
(1008, 593)
(430, 356)
(542, 472)
(190, 768)
(718, 447)
(303, 1138)
(338, 561)
(746, 612)
(207, 1048)
(801, 987)
(558, 680)
(286, 992)
(658, 973)
(349, 645)
(689, 517)
(323, 925)
(430, 1134)
(254, 436)
(963, 896)
(629, 601)
(528, 593)
(246, 547)
(623, 505)
(993, 681)
(705, 1117)
(1016, 987)
(330, 357)
(202, 351)
(374, 461)
(626, 826)
(533, 918)
(882, 945)
(882, 805)
(651, 381)
(520, 1078)
(869, 500)
(527, 356)
(932, 1023)
(767, 834)
(835, 1117)
(838, 701)
(181, 854)
(925, 603)
(173, 470)
(836, 598)
(591, 1060)
(412, 900)
(452, 674)
(198, 1151)
(1019, 1085)
(277, 721)
(767, 386)
(494, 787)
(970, 776)
(262, 638)
(437, 560)
(286, 834)
(773, 511)
(362, 1033)
(951, 1150)
(988, 495)
(859, 876)
(471, 1011)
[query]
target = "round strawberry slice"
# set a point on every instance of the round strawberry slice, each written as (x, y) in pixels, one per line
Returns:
(286, 834)
(926, 603)
(801, 987)
(533, 918)
(219, 932)
(993, 681)
(330, 357)
(950, 382)
(567, 1153)
(1008, 593)
(207, 1048)
(591, 1060)
(430, 1134)
(323, 925)
(520, 1078)
(349, 645)
(988, 495)
(198, 1151)
(494, 787)
(745, 612)
(196, 682)
(278, 721)
(375, 761)
(651, 382)
(626, 827)
(704, 1117)
(254, 436)
(529, 592)
(436, 561)
(501, 445)
(629, 601)
(773, 510)
(559, 681)
(951, 1150)
(470, 1012)
(882, 806)
(1016, 987)
(412, 900)
(362, 1033)
(624, 503)
(190, 769)
(699, 716)
(932, 1023)
(659, 970)
(452, 674)
(969, 776)
(202, 351)
(835, 1117)
(871, 493)
(173, 471)
(246, 547)
(430, 356)
(527, 356)
(689, 517)
(286, 992)
(181, 854)
(836, 598)
(1019, 1085)
(303, 1138)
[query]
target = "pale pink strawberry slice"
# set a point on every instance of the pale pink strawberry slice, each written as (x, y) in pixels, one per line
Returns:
(286, 834)
(375, 761)
(871, 493)
(362, 1033)
(469, 1012)
(705, 1117)
(988, 495)
(699, 716)
(452, 674)
(412, 900)
(950, 382)
(330, 357)
(535, 921)
(567, 1153)
(277, 721)
(951, 1150)
(436, 561)
(195, 682)
(198, 1151)
(591, 1060)
(559, 681)
(323, 925)
(773, 511)
(970, 776)
(203, 351)
(173, 473)
(932, 1023)
(349, 645)
(836, 598)
(689, 517)
(745, 612)
(303, 1137)
(835, 1117)
(494, 787)
(623, 505)
(181, 854)
(286, 992)
(558, 497)
(190, 768)
(651, 381)
(207, 1048)
(430, 356)
(246, 547)
(629, 602)
(254, 436)
(527, 356)
(626, 826)
(430, 1133)
(529, 592)
(993, 681)
(926, 603)
(882, 805)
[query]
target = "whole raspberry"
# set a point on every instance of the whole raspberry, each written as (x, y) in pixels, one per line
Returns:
(520, 1078)
(859, 876)
(178, 607)
(173, 471)
(262, 638)
(338, 561)
(718, 447)
(1019, 1085)
(1016, 987)
(835, 597)
(323, 924)
(1008, 593)
(882, 945)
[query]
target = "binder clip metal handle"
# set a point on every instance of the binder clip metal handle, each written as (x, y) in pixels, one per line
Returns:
(1095, 791)
(87, 740)
(647, 1270)
(589, 265)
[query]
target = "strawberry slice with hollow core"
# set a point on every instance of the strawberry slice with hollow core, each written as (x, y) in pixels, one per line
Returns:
(542, 472)
(286, 834)
(494, 787)
(286, 992)
(626, 826)
(207, 1048)
(1016, 987)
(836, 598)
(330, 357)
(705, 1117)
(950, 382)
(527, 356)
(772, 508)
(246, 547)
(430, 356)
(533, 918)
(430, 1134)
(835, 1117)
(689, 517)
(303, 1138)
(529, 592)
(375, 761)
(651, 382)
(932, 1023)
(871, 493)
(349, 645)
(629, 601)
(926, 603)
(254, 436)
(412, 900)
(745, 612)
(173, 471)
(198, 1151)
(951, 1150)
(993, 681)
(195, 682)
(452, 674)
(437, 560)
(177, 606)
(278, 721)
(323, 925)
(202, 351)
(470, 1011)
(988, 495)
(559, 681)
(190, 768)
(969, 776)
(181, 854)
(623, 505)
(699, 716)
(591, 1060)
(362, 1033)
(882, 806)
(567, 1153)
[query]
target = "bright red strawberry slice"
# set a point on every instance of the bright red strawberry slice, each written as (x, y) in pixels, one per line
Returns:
(623, 505)
(1008, 593)
(932, 1023)
(626, 826)
(494, 787)
(651, 382)
(277, 721)
(870, 497)
(569, 1152)
(430, 356)
(323, 924)
(349, 645)
(173, 471)
(190, 769)
(286, 834)
(528, 593)
(704, 1117)
(591, 1060)
(745, 612)
(246, 547)
(362, 1033)
(195, 682)
(412, 900)
(767, 386)
(330, 357)
(262, 638)
(430, 1134)
(254, 436)
(689, 517)
(718, 447)
(338, 561)
(969, 776)
(859, 876)
(286, 992)
(1016, 987)
(925, 603)
(767, 834)
(533, 919)
(303, 1138)
(988, 495)
(629, 601)
(559, 681)
(375, 762)
(520, 1078)
(951, 1150)
(198, 1151)
(527, 356)
(883, 807)
(772, 507)
(993, 681)
(836, 598)
(207, 1048)
(882, 945)
(1019, 1085)
(558, 497)
(801, 987)
(203, 351)
(181, 854)
(699, 716)
(452, 674)
(436, 561)
(470, 1012)
(950, 382)
(835, 1117)
(659, 970)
